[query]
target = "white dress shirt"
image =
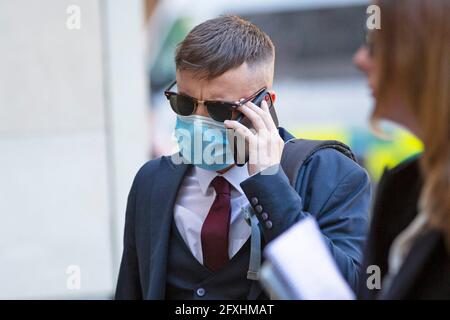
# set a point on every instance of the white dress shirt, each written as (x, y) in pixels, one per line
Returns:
(194, 199)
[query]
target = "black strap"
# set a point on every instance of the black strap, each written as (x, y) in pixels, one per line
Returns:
(297, 151)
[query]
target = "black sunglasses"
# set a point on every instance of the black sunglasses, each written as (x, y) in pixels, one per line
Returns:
(185, 105)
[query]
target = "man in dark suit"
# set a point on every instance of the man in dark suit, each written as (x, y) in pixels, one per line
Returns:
(186, 236)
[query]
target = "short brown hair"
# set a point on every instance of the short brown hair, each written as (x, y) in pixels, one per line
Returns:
(221, 44)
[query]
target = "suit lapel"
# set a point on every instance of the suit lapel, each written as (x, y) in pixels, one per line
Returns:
(412, 266)
(163, 196)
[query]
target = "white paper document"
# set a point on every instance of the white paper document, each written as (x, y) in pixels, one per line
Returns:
(304, 266)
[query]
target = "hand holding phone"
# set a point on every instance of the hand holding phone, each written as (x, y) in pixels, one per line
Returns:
(241, 155)
(264, 95)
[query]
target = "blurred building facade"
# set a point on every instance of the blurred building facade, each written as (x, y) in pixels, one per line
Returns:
(73, 132)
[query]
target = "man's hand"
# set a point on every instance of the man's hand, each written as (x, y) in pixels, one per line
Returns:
(265, 144)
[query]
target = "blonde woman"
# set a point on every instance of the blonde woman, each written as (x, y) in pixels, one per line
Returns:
(407, 64)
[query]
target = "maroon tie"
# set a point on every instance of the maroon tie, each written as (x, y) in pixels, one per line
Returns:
(215, 228)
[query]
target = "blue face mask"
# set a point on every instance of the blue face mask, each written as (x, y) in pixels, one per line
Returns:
(203, 142)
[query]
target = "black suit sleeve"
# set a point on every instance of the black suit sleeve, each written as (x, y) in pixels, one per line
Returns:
(337, 194)
(128, 284)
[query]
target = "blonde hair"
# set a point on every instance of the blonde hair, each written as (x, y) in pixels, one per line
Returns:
(412, 54)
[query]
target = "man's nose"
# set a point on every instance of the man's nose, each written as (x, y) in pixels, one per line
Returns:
(201, 110)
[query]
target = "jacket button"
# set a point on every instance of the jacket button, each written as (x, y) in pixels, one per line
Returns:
(264, 216)
(258, 208)
(269, 224)
(254, 201)
(201, 292)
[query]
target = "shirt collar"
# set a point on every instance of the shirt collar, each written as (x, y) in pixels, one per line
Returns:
(234, 176)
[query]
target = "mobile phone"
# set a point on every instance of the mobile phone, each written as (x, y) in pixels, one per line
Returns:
(241, 156)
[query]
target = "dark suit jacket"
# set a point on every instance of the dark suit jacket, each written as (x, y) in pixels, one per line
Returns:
(331, 187)
(425, 273)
